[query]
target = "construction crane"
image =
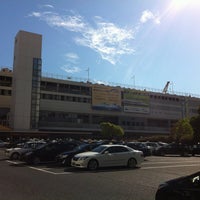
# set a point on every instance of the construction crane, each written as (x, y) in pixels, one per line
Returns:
(166, 87)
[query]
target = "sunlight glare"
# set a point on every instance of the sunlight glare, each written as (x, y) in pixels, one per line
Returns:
(179, 5)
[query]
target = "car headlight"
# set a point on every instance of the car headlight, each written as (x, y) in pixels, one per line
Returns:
(162, 185)
(83, 158)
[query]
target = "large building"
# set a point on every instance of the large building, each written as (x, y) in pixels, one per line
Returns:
(31, 101)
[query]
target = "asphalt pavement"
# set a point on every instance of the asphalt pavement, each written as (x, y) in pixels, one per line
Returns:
(19, 181)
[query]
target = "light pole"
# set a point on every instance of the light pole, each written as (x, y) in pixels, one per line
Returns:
(133, 77)
(88, 70)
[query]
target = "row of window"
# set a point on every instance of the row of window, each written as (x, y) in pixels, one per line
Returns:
(5, 92)
(76, 118)
(164, 98)
(65, 98)
(65, 88)
(6, 81)
(128, 123)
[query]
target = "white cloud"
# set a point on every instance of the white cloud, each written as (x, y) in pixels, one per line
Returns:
(48, 6)
(71, 70)
(72, 57)
(35, 14)
(107, 39)
(148, 15)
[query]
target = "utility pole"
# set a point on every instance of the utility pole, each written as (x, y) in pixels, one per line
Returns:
(88, 70)
(133, 77)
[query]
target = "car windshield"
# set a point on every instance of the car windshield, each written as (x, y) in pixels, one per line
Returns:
(82, 146)
(99, 149)
(41, 146)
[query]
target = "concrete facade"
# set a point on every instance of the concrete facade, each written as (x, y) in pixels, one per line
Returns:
(27, 47)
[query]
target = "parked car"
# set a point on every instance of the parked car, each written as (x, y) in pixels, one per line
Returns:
(48, 152)
(141, 147)
(175, 149)
(153, 146)
(65, 157)
(196, 149)
(3, 144)
(17, 152)
(183, 188)
(108, 155)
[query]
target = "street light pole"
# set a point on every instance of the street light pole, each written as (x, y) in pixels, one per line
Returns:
(133, 77)
(88, 70)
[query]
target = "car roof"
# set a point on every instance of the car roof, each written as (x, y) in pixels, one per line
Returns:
(113, 145)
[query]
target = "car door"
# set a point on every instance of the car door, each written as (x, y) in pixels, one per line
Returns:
(190, 189)
(47, 153)
(115, 156)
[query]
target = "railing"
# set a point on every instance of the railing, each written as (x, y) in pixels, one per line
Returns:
(85, 80)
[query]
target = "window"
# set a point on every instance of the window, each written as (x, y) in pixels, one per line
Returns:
(117, 149)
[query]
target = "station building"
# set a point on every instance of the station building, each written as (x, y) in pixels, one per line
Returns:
(32, 101)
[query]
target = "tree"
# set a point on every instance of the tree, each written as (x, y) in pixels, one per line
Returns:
(182, 132)
(111, 131)
(195, 123)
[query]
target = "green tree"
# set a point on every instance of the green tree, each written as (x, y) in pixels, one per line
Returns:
(195, 123)
(182, 132)
(111, 131)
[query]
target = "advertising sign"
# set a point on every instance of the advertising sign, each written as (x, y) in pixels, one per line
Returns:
(135, 101)
(106, 97)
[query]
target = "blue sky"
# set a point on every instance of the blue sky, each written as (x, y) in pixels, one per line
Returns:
(142, 43)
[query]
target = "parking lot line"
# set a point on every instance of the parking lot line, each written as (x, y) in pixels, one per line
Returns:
(46, 170)
(144, 166)
(168, 162)
(13, 162)
(169, 166)
(49, 172)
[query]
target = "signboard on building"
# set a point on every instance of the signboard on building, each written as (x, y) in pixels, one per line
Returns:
(106, 97)
(136, 101)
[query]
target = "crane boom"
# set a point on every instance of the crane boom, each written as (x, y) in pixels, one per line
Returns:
(166, 87)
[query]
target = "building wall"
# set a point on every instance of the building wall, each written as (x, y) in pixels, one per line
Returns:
(67, 105)
(27, 46)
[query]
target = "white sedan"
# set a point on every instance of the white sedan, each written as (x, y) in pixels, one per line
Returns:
(108, 155)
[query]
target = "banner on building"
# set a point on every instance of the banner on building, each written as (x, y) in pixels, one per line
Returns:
(106, 97)
(136, 101)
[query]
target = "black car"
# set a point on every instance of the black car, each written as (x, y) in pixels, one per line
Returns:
(65, 157)
(48, 152)
(147, 151)
(173, 149)
(183, 188)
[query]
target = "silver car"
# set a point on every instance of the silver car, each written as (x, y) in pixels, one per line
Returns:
(17, 152)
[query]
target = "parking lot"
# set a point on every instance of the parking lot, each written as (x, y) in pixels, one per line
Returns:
(50, 181)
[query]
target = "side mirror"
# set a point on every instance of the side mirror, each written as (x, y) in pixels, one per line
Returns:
(106, 152)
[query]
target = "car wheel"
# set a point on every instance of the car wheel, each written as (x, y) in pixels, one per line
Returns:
(15, 156)
(132, 163)
(36, 160)
(93, 165)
